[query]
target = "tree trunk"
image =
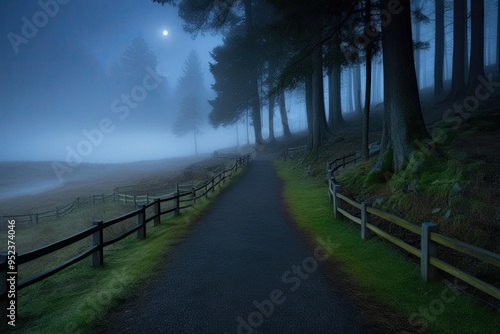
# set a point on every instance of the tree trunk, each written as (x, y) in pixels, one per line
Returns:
(271, 138)
(284, 117)
(350, 107)
(366, 110)
(254, 85)
(378, 83)
(417, 51)
(272, 100)
(331, 101)
(446, 75)
(320, 125)
(248, 135)
(357, 88)
(336, 120)
(466, 45)
(439, 49)
(459, 31)
(374, 82)
(404, 126)
(256, 118)
(476, 68)
(195, 141)
(309, 109)
(237, 135)
(498, 39)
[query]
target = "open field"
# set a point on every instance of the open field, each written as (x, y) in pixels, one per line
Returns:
(32, 186)
(38, 188)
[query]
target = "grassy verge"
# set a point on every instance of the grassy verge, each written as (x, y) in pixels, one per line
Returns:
(77, 299)
(379, 273)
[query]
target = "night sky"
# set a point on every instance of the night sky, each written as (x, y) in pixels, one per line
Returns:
(51, 81)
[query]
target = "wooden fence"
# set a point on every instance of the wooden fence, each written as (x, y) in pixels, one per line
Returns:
(181, 201)
(288, 151)
(428, 233)
(35, 218)
(119, 194)
(337, 163)
(133, 197)
(60, 211)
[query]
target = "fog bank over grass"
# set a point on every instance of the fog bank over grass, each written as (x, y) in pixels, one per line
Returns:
(116, 147)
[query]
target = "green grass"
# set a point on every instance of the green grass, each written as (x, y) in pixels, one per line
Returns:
(76, 299)
(425, 184)
(380, 273)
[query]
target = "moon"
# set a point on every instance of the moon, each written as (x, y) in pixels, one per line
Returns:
(165, 32)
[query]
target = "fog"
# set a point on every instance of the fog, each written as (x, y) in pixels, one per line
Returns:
(57, 96)
(63, 96)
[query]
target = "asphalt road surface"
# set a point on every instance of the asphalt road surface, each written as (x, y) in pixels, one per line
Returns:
(243, 269)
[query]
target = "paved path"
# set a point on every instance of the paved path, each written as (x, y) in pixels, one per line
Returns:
(243, 269)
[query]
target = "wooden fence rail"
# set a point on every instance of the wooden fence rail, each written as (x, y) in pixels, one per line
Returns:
(59, 211)
(430, 238)
(126, 194)
(98, 227)
(288, 151)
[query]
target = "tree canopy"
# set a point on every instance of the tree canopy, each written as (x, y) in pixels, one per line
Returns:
(192, 83)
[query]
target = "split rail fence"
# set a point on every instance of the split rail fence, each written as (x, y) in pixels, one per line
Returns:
(337, 163)
(181, 200)
(117, 195)
(430, 238)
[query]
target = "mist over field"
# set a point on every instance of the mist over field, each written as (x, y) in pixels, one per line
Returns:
(63, 77)
(271, 166)
(124, 81)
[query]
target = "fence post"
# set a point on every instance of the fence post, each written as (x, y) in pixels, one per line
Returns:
(177, 199)
(147, 197)
(36, 218)
(429, 248)
(329, 180)
(157, 219)
(213, 184)
(97, 240)
(336, 200)
(365, 219)
(141, 221)
(206, 189)
(193, 194)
